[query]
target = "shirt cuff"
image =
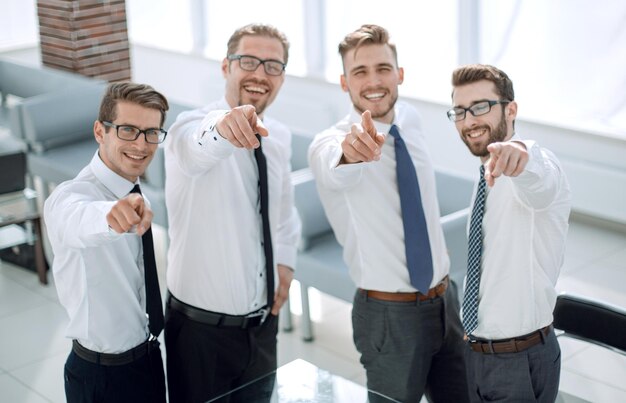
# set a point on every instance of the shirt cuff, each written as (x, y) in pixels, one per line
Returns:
(345, 171)
(208, 137)
(286, 255)
(534, 165)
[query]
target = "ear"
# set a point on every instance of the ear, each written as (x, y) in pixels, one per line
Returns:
(343, 82)
(400, 75)
(225, 66)
(98, 131)
(511, 113)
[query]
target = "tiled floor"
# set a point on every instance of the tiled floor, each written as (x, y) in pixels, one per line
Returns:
(33, 348)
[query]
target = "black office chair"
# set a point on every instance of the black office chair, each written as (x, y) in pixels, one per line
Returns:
(591, 321)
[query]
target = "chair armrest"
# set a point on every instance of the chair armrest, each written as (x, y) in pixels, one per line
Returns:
(309, 206)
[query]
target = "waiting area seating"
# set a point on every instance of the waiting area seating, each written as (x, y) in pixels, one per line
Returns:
(52, 113)
(591, 321)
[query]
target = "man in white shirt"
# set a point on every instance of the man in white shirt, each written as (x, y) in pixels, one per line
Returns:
(409, 336)
(517, 240)
(97, 229)
(229, 270)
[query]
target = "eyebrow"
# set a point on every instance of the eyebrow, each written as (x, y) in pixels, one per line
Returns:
(363, 66)
(472, 103)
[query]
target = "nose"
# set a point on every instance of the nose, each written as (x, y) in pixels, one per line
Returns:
(260, 71)
(375, 79)
(470, 120)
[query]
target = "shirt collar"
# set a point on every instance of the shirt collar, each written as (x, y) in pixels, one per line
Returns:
(112, 181)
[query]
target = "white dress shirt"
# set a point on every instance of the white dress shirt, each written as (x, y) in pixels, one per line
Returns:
(216, 260)
(98, 273)
(524, 231)
(363, 204)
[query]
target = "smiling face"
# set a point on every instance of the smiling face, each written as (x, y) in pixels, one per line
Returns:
(371, 77)
(477, 132)
(255, 88)
(129, 159)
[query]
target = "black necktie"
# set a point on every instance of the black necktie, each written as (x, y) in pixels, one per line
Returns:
(154, 306)
(416, 242)
(267, 237)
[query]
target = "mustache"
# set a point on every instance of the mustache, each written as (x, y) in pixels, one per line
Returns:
(256, 81)
(471, 129)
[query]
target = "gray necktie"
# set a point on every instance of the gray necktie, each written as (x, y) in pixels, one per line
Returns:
(475, 249)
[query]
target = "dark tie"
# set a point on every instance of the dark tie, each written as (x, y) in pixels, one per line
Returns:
(474, 256)
(154, 306)
(416, 242)
(267, 237)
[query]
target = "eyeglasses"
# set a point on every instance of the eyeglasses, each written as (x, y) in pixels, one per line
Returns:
(251, 63)
(479, 108)
(131, 133)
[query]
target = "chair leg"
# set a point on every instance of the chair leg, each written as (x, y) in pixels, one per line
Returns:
(40, 259)
(285, 317)
(307, 331)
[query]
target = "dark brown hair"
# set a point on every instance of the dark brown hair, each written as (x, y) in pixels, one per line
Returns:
(475, 72)
(140, 94)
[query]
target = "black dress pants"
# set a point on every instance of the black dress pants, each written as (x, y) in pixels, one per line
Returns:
(206, 362)
(142, 380)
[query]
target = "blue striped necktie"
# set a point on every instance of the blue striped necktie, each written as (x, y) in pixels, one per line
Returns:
(416, 242)
(474, 257)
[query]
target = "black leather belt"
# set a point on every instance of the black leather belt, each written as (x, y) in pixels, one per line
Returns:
(252, 319)
(111, 360)
(514, 345)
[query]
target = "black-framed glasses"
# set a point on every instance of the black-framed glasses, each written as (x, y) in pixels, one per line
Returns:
(479, 108)
(131, 133)
(251, 63)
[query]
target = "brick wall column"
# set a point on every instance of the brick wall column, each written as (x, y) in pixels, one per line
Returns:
(89, 37)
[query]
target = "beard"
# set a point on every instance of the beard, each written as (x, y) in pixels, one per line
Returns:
(494, 136)
(379, 112)
(259, 105)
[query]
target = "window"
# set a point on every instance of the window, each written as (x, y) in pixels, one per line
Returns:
(160, 23)
(222, 18)
(18, 20)
(425, 34)
(566, 58)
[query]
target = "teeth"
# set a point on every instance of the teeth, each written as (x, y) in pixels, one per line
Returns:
(475, 133)
(135, 157)
(256, 89)
(374, 95)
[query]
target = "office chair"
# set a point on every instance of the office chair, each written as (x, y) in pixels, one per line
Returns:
(591, 321)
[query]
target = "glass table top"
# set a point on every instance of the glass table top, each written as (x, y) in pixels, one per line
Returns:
(300, 381)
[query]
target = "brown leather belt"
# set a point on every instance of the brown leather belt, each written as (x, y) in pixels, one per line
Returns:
(436, 291)
(108, 359)
(514, 345)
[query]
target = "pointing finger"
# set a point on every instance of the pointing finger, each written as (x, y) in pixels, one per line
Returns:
(368, 124)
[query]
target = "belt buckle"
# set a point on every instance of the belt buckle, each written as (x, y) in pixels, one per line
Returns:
(263, 313)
